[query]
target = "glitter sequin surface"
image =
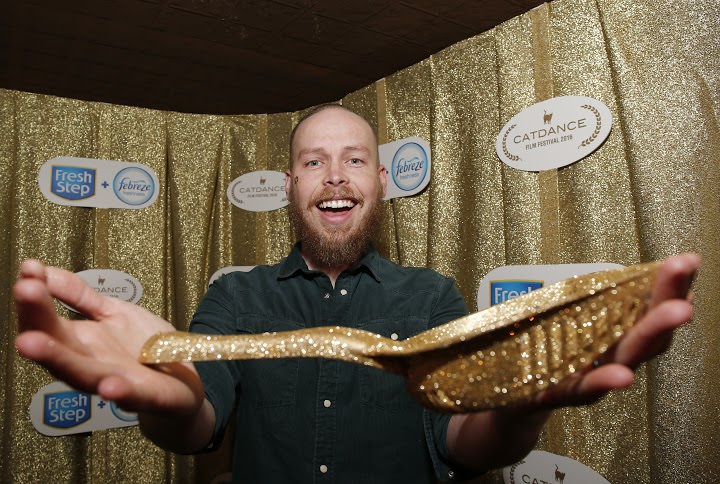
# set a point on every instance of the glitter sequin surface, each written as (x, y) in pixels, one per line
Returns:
(492, 358)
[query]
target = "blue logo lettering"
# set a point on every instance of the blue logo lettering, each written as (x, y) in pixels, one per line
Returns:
(66, 409)
(134, 185)
(409, 166)
(501, 291)
(73, 182)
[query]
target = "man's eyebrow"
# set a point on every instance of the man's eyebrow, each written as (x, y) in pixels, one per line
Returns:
(322, 151)
(311, 151)
(357, 148)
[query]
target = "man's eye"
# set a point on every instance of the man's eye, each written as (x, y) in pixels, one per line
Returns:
(312, 163)
(355, 161)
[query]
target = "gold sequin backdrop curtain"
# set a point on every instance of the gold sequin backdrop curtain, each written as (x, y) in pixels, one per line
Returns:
(648, 192)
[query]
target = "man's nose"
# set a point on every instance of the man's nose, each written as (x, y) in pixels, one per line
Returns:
(336, 174)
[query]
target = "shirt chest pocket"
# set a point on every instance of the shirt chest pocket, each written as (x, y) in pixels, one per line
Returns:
(382, 389)
(270, 383)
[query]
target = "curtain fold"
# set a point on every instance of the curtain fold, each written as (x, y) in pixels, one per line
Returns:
(649, 192)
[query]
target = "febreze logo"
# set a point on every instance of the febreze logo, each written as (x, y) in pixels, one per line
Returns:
(409, 166)
(408, 163)
(501, 291)
(66, 409)
(73, 182)
(134, 185)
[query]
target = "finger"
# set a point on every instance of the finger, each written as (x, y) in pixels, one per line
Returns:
(65, 286)
(76, 293)
(586, 388)
(156, 390)
(36, 311)
(78, 370)
(674, 278)
(32, 269)
(652, 335)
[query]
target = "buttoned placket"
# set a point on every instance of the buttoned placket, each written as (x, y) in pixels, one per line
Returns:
(335, 304)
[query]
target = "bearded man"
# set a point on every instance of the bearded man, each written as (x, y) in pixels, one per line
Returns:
(314, 420)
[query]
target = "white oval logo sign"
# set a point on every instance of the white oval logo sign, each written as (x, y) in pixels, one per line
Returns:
(543, 467)
(112, 283)
(258, 191)
(554, 133)
(407, 162)
(506, 282)
(57, 409)
(86, 182)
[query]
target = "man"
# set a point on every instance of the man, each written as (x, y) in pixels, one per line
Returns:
(309, 419)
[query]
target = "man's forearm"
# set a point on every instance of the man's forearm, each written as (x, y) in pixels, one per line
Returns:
(180, 434)
(497, 438)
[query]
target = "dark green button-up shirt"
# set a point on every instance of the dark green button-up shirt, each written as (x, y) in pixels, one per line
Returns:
(317, 420)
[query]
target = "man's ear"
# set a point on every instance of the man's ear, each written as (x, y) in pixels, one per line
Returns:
(288, 182)
(382, 176)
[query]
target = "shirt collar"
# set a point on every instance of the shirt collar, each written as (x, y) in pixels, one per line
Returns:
(294, 264)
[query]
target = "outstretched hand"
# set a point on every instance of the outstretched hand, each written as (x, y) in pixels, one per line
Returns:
(98, 355)
(670, 307)
(491, 439)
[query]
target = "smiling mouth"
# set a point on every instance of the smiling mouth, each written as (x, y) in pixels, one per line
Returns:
(336, 205)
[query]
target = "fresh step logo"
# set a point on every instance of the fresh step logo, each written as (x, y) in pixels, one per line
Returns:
(501, 291)
(57, 409)
(507, 282)
(86, 182)
(73, 182)
(63, 410)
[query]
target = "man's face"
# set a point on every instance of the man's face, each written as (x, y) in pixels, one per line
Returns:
(335, 187)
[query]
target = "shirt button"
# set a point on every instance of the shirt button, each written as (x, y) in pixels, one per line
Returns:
(451, 474)
(394, 336)
(327, 295)
(323, 468)
(327, 403)
(343, 291)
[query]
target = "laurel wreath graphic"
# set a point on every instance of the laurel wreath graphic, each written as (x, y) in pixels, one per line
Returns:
(233, 196)
(598, 125)
(512, 471)
(134, 288)
(504, 146)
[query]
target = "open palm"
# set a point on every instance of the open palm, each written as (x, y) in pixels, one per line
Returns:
(98, 355)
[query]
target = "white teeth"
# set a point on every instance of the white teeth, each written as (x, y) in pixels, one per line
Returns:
(337, 204)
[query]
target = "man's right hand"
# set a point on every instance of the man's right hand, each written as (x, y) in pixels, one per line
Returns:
(100, 354)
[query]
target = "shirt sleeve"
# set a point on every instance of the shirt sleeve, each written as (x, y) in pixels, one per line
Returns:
(450, 306)
(219, 378)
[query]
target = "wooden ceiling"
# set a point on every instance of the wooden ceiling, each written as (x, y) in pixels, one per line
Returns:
(227, 56)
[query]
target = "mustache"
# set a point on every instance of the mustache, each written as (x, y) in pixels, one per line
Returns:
(337, 193)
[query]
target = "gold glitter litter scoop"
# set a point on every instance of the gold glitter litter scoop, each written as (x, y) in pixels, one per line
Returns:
(500, 356)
